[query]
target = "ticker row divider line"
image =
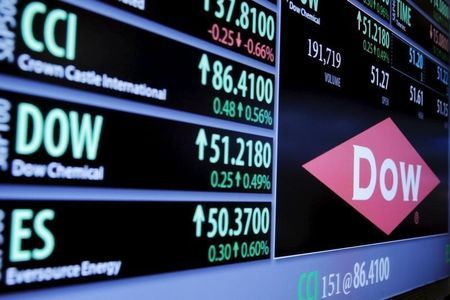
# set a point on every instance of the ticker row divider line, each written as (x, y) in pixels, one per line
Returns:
(167, 32)
(366, 246)
(67, 193)
(418, 81)
(59, 93)
(268, 5)
(276, 110)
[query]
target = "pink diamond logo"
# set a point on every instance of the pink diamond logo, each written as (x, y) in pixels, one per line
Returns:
(378, 173)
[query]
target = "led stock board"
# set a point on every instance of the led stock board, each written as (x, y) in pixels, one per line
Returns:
(150, 137)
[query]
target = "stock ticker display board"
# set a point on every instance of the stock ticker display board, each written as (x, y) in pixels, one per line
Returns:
(304, 143)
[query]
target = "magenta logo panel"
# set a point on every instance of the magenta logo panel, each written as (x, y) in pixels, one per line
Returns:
(379, 173)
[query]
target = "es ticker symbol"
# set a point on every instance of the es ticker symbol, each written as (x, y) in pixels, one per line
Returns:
(22, 232)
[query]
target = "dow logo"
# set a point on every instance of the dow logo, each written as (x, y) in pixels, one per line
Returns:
(52, 18)
(378, 173)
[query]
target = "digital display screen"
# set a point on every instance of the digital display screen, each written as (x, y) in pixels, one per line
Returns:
(355, 82)
(223, 149)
